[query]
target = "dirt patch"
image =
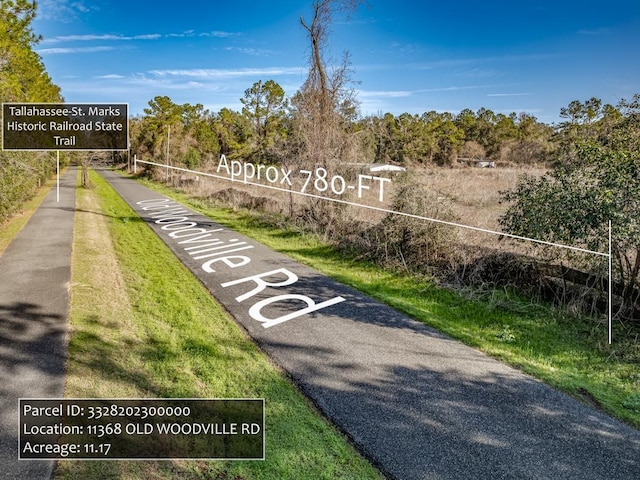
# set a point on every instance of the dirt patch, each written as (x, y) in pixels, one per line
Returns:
(92, 232)
(588, 398)
(101, 313)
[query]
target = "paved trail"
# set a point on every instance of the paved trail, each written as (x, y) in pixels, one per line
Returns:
(419, 404)
(35, 271)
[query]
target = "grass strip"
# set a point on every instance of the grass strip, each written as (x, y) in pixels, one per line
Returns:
(12, 226)
(568, 352)
(144, 326)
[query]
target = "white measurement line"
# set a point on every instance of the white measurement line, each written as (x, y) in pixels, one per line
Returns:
(380, 209)
(57, 175)
(608, 255)
(610, 281)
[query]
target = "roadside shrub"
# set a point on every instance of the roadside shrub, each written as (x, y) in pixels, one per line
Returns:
(415, 244)
(21, 173)
(573, 204)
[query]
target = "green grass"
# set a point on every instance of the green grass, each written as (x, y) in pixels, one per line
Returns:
(12, 226)
(144, 326)
(568, 352)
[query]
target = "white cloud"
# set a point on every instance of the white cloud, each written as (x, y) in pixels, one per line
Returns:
(80, 7)
(90, 38)
(214, 73)
(593, 31)
(214, 33)
(146, 36)
(476, 73)
(409, 93)
(67, 50)
(62, 10)
(141, 80)
(219, 34)
(257, 52)
(455, 88)
(387, 94)
(508, 94)
(186, 33)
(406, 49)
(460, 62)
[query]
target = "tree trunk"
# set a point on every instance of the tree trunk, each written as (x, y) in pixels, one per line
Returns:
(85, 175)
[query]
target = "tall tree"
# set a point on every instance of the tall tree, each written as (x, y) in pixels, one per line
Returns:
(163, 115)
(22, 73)
(264, 105)
(233, 132)
(23, 78)
(325, 104)
(199, 123)
(318, 31)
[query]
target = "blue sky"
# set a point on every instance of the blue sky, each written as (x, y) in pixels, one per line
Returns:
(407, 56)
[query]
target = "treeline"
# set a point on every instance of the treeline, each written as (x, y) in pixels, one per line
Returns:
(593, 157)
(596, 184)
(265, 130)
(593, 153)
(23, 78)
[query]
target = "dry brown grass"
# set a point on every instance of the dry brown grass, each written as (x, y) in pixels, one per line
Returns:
(474, 196)
(471, 258)
(472, 193)
(475, 192)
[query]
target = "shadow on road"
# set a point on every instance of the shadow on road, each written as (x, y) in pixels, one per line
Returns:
(457, 425)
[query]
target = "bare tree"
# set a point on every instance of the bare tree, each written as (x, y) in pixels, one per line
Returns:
(325, 102)
(324, 108)
(318, 31)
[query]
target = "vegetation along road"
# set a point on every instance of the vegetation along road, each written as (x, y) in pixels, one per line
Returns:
(383, 346)
(413, 400)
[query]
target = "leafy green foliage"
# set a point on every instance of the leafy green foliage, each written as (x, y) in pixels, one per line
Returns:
(506, 335)
(265, 106)
(597, 181)
(188, 135)
(411, 243)
(23, 78)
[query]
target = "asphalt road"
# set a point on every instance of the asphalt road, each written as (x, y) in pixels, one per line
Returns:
(35, 272)
(417, 403)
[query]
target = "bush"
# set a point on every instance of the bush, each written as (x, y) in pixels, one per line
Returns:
(21, 173)
(573, 204)
(415, 244)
